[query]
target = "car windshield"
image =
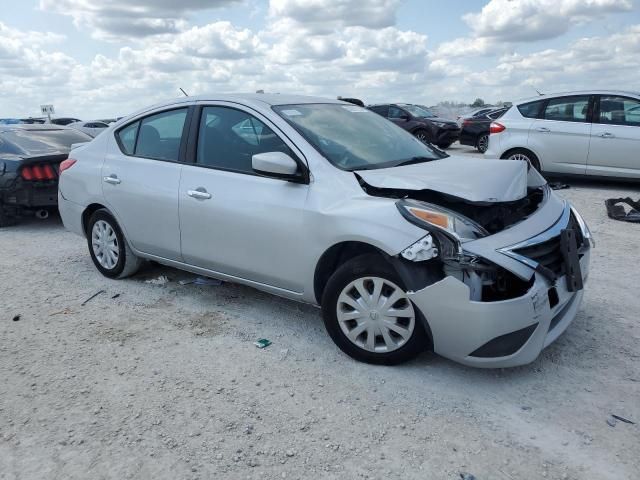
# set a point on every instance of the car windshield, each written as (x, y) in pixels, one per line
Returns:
(354, 138)
(418, 111)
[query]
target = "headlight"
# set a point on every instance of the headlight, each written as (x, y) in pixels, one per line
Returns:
(584, 228)
(450, 228)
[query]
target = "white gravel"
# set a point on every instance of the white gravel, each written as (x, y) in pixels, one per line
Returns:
(164, 381)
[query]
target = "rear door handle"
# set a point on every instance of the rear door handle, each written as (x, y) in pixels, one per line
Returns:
(607, 135)
(112, 179)
(199, 193)
(544, 130)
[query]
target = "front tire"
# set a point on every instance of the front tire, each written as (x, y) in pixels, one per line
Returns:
(422, 135)
(108, 248)
(368, 315)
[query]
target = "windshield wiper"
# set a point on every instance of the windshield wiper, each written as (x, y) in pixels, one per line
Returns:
(413, 160)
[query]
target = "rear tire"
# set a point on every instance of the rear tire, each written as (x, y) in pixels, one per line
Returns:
(483, 143)
(361, 321)
(108, 248)
(523, 154)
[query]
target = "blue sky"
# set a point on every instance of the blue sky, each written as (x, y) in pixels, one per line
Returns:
(93, 59)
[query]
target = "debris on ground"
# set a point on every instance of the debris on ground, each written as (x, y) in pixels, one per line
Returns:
(16, 318)
(559, 186)
(161, 280)
(262, 343)
(467, 476)
(201, 281)
(115, 296)
(618, 212)
(622, 419)
(92, 297)
(611, 422)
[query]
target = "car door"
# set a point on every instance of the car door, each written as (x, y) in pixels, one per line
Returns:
(141, 178)
(615, 138)
(561, 136)
(400, 117)
(234, 220)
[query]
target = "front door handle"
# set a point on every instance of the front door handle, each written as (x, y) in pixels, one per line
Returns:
(199, 193)
(607, 135)
(544, 130)
(112, 179)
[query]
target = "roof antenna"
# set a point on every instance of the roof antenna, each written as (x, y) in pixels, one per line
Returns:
(185, 93)
(538, 91)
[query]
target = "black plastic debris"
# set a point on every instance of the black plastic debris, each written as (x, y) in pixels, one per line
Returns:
(115, 296)
(467, 476)
(616, 211)
(16, 318)
(622, 419)
(91, 297)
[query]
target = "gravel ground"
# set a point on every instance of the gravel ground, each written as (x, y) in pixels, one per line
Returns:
(163, 381)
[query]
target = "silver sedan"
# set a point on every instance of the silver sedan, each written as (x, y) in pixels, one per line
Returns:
(320, 201)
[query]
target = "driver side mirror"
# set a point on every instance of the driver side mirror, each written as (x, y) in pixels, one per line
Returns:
(278, 164)
(405, 117)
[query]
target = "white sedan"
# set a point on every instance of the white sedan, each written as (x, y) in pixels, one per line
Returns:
(92, 128)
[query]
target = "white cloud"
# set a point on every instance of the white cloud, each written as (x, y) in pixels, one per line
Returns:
(526, 20)
(116, 19)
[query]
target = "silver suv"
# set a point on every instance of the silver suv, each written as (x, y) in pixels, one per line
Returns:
(328, 203)
(595, 133)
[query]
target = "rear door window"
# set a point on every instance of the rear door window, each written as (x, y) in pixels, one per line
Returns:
(396, 113)
(619, 111)
(380, 110)
(531, 109)
(567, 109)
(159, 135)
(127, 138)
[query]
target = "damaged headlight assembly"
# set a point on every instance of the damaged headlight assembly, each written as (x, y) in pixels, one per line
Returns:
(449, 230)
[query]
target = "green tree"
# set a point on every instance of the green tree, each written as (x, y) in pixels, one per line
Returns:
(478, 102)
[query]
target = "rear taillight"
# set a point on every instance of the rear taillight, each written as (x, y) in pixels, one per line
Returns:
(496, 127)
(466, 123)
(39, 172)
(67, 164)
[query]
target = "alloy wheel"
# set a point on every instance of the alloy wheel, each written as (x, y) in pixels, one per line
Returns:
(483, 143)
(421, 136)
(519, 156)
(105, 244)
(375, 314)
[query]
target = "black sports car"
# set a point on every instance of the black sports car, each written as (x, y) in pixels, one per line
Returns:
(475, 130)
(30, 157)
(419, 120)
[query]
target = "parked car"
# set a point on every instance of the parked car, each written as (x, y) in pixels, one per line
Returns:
(594, 133)
(92, 128)
(419, 120)
(30, 156)
(108, 121)
(64, 120)
(475, 130)
(475, 114)
(324, 202)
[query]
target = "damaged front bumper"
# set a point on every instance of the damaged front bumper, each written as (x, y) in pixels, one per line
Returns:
(508, 332)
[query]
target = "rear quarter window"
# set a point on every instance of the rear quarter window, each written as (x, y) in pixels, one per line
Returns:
(531, 109)
(127, 138)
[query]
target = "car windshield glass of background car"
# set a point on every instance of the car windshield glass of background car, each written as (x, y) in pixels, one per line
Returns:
(418, 111)
(41, 142)
(354, 138)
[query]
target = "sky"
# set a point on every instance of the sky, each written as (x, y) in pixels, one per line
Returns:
(103, 58)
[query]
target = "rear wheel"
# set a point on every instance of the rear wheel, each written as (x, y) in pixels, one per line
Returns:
(524, 154)
(108, 248)
(483, 143)
(368, 314)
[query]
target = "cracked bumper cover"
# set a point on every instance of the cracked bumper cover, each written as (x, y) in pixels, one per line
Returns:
(460, 326)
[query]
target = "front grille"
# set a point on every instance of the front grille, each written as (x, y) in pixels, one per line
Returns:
(548, 254)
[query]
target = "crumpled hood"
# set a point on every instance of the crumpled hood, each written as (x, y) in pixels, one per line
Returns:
(475, 180)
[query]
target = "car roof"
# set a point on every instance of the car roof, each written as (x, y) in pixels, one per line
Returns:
(249, 99)
(579, 92)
